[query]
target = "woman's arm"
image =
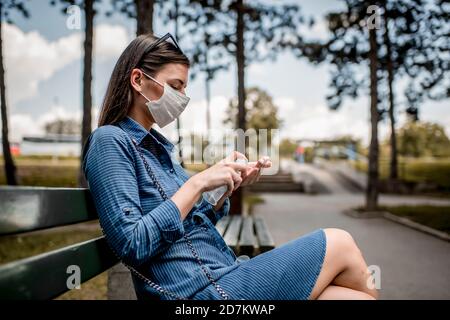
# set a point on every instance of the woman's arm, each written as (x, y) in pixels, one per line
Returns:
(222, 173)
(135, 236)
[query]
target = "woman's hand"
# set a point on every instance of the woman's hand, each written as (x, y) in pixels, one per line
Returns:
(253, 172)
(225, 172)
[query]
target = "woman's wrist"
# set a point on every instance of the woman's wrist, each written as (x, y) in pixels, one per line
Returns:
(196, 184)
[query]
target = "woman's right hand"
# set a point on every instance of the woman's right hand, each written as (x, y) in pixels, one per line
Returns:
(225, 172)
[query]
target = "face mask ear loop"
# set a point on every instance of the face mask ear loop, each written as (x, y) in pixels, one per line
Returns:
(153, 79)
(144, 96)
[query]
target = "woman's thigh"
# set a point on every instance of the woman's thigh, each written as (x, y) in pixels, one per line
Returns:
(288, 272)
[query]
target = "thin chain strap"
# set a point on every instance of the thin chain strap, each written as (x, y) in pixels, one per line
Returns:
(164, 196)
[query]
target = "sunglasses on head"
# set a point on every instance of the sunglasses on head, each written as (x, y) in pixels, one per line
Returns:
(167, 37)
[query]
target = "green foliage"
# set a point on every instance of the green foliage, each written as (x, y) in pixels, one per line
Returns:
(287, 147)
(273, 27)
(261, 112)
(416, 170)
(8, 6)
(436, 217)
(418, 139)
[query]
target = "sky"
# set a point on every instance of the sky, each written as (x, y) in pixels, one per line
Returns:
(43, 62)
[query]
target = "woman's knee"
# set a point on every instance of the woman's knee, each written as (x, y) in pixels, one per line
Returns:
(342, 243)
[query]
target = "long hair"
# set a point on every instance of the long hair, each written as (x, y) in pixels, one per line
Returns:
(119, 95)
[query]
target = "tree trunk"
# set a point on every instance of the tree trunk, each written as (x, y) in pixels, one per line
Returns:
(144, 16)
(208, 113)
(86, 126)
(393, 174)
(208, 79)
(180, 138)
(208, 104)
(240, 59)
(372, 184)
(10, 167)
(237, 198)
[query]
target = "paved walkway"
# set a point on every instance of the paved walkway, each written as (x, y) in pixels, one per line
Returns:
(413, 265)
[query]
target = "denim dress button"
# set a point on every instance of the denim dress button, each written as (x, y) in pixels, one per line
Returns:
(242, 258)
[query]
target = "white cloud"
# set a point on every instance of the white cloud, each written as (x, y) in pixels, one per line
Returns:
(30, 58)
(110, 41)
(318, 31)
(256, 70)
(319, 122)
(313, 122)
(25, 124)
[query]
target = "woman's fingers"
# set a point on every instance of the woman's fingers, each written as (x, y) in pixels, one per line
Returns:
(250, 175)
(235, 155)
(230, 184)
(260, 164)
(237, 166)
(237, 180)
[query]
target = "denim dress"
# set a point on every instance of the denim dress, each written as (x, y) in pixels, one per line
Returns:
(148, 234)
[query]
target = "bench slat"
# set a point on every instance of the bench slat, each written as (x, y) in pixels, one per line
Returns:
(232, 234)
(24, 209)
(247, 242)
(45, 276)
(265, 239)
(222, 225)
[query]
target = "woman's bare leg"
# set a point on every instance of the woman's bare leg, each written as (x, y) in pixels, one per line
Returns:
(343, 266)
(342, 293)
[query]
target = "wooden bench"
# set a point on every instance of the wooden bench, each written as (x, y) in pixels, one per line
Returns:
(245, 235)
(44, 276)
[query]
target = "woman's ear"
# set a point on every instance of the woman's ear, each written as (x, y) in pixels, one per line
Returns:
(136, 80)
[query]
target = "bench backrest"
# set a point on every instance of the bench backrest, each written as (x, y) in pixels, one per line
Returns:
(44, 276)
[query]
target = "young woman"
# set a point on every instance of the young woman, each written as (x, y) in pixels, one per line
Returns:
(155, 218)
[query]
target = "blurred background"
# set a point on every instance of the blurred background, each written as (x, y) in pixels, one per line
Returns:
(359, 91)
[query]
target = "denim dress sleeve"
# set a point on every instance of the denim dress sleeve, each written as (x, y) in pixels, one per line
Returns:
(219, 214)
(109, 167)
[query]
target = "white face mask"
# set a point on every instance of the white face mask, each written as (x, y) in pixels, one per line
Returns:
(167, 108)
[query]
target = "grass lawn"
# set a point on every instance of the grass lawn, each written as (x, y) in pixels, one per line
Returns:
(436, 217)
(33, 243)
(417, 170)
(45, 171)
(195, 167)
(50, 171)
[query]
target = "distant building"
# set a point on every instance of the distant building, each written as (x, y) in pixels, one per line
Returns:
(52, 144)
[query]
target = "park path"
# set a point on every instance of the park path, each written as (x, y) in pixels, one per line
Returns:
(414, 265)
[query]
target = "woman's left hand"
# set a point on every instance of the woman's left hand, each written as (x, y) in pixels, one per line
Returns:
(253, 172)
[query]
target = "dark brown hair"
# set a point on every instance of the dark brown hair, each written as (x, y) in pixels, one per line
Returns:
(119, 94)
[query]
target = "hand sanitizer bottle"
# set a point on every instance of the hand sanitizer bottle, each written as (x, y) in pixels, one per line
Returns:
(214, 195)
